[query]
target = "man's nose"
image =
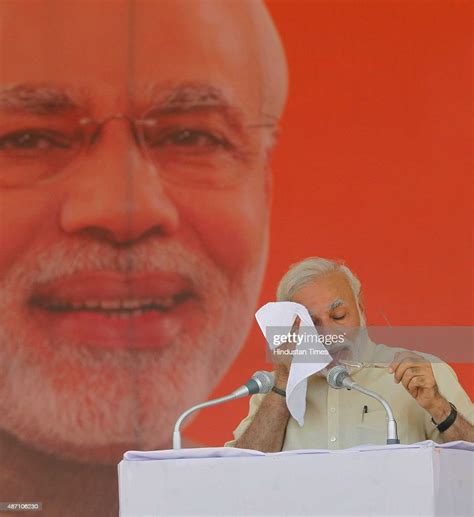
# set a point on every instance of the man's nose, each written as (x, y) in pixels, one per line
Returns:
(116, 194)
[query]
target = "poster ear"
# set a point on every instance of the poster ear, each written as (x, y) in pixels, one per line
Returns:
(361, 304)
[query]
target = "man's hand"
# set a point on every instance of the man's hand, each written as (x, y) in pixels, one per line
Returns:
(281, 360)
(416, 375)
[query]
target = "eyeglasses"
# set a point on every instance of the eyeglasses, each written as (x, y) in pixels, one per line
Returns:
(192, 148)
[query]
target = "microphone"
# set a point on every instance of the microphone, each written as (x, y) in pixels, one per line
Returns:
(260, 382)
(338, 377)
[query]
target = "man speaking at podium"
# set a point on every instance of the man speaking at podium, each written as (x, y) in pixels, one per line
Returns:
(134, 189)
(425, 396)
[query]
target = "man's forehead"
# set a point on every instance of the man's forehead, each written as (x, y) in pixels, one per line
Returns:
(331, 289)
(130, 36)
(141, 44)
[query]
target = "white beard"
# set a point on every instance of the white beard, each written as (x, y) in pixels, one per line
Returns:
(88, 403)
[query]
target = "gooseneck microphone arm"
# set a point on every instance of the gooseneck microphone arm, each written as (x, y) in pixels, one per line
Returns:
(392, 434)
(261, 382)
(338, 378)
(183, 416)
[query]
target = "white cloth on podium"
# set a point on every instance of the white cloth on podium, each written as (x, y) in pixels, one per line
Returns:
(231, 452)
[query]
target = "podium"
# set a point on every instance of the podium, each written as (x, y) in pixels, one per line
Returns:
(425, 479)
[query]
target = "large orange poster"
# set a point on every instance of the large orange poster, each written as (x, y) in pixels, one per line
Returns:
(162, 163)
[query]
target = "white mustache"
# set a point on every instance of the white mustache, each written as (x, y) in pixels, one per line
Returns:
(69, 257)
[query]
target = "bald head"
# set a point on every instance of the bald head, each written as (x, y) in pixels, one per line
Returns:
(147, 47)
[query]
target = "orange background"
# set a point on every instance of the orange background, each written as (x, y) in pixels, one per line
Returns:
(373, 166)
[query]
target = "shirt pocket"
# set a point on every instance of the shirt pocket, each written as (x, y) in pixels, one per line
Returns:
(372, 429)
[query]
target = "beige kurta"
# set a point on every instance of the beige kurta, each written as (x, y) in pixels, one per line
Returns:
(335, 419)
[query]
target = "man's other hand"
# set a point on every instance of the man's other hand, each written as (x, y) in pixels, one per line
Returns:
(416, 375)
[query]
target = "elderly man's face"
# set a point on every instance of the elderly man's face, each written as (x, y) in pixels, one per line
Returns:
(334, 308)
(330, 301)
(132, 252)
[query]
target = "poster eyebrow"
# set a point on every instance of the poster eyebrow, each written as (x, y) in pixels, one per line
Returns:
(43, 99)
(193, 97)
(188, 96)
(38, 99)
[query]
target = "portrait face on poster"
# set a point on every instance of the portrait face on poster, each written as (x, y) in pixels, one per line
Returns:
(135, 194)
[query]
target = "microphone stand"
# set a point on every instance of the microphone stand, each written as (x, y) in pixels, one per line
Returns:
(392, 434)
(338, 378)
(177, 428)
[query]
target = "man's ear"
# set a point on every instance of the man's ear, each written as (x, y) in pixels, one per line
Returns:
(361, 303)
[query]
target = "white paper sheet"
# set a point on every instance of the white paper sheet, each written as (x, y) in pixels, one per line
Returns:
(283, 314)
(202, 452)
